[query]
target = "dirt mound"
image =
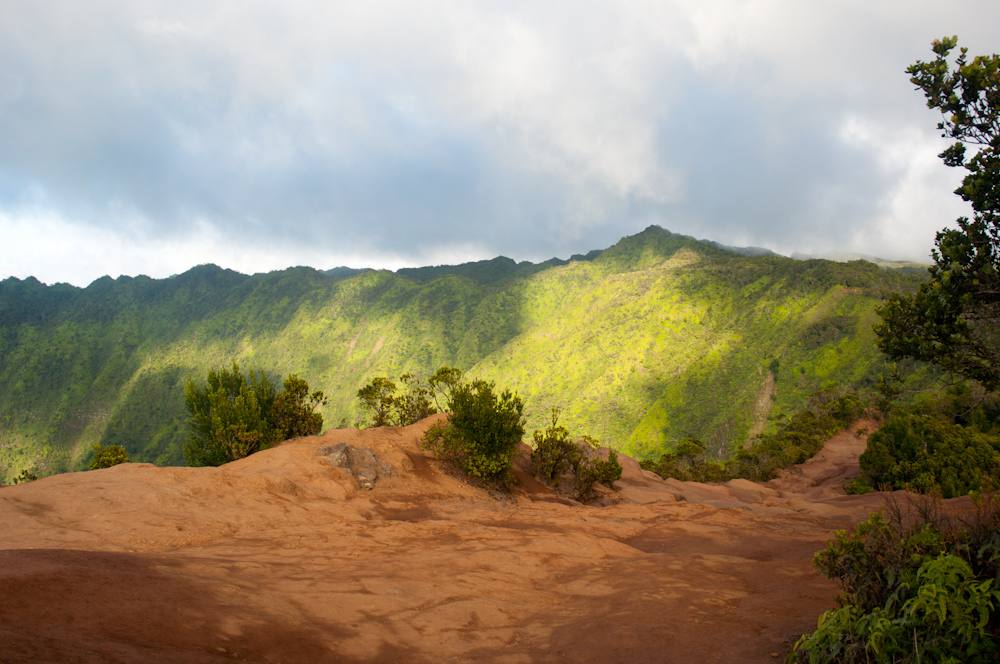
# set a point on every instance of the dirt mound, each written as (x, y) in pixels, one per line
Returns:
(288, 557)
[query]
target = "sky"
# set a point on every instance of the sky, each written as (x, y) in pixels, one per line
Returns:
(147, 136)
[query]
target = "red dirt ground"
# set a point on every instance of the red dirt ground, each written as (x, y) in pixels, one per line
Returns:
(280, 558)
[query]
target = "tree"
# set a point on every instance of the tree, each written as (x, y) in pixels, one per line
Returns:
(105, 457)
(443, 383)
(293, 412)
(415, 404)
(389, 409)
(378, 397)
(234, 415)
(953, 320)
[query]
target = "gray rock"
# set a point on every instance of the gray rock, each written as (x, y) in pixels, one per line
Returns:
(362, 463)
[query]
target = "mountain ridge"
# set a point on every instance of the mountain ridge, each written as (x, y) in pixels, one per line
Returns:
(653, 339)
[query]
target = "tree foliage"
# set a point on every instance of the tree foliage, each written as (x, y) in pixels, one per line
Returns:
(947, 444)
(293, 413)
(953, 320)
(235, 415)
(927, 593)
(593, 469)
(555, 453)
(388, 408)
(556, 456)
(105, 457)
(25, 476)
(443, 384)
(482, 432)
(378, 398)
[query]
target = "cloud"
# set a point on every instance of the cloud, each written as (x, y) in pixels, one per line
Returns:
(399, 131)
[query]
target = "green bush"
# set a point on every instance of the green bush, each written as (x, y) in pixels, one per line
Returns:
(928, 453)
(293, 413)
(925, 594)
(234, 415)
(593, 470)
(482, 431)
(856, 487)
(25, 476)
(105, 457)
(688, 464)
(554, 454)
(378, 397)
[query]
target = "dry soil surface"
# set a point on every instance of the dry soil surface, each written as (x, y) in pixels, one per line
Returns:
(281, 557)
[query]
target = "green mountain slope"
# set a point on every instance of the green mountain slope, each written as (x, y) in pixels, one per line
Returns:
(655, 339)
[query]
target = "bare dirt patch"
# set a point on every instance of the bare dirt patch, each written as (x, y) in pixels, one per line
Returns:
(137, 563)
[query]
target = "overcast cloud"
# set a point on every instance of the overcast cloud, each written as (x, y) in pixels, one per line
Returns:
(145, 137)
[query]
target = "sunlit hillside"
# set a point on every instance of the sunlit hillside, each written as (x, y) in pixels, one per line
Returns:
(658, 338)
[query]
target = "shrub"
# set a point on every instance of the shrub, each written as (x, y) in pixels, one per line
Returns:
(234, 415)
(554, 453)
(293, 413)
(415, 404)
(105, 457)
(928, 453)
(378, 397)
(25, 476)
(856, 487)
(593, 470)
(482, 431)
(926, 593)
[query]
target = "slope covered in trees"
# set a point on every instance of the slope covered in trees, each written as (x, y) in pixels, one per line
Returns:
(649, 342)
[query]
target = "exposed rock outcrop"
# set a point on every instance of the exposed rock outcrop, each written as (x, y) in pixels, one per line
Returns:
(362, 463)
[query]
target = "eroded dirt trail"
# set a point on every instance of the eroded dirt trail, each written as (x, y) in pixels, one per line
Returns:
(282, 558)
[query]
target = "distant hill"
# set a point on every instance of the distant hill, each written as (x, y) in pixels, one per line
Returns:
(743, 251)
(655, 339)
(491, 271)
(908, 267)
(343, 272)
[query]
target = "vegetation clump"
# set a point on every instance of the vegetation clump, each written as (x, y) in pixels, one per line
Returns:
(555, 456)
(826, 413)
(949, 444)
(25, 476)
(554, 453)
(105, 457)
(925, 593)
(688, 463)
(387, 408)
(482, 432)
(595, 470)
(235, 415)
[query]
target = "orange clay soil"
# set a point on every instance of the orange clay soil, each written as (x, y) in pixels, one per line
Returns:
(281, 558)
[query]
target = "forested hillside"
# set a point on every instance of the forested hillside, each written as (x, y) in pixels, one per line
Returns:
(653, 340)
